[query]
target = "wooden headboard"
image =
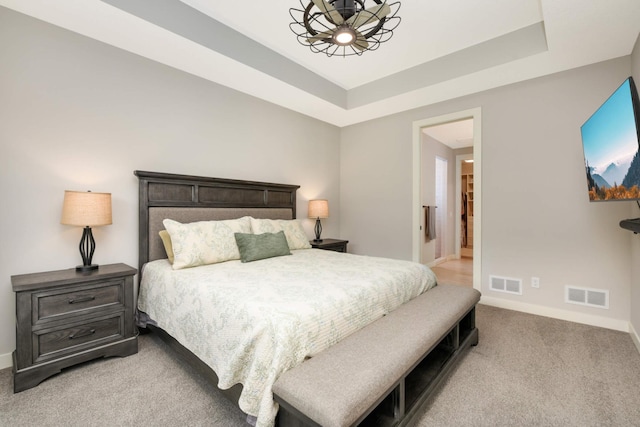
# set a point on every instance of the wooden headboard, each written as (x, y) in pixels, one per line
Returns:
(187, 198)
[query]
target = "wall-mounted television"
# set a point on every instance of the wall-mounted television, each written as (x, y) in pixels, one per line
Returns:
(611, 141)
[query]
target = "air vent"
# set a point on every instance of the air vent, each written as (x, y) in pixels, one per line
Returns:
(506, 284)
(587, 296)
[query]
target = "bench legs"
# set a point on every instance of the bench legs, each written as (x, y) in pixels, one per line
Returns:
(399, 401)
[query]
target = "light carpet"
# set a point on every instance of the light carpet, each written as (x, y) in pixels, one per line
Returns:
(526, 371)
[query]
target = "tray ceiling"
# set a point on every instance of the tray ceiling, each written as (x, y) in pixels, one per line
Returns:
(442, 49)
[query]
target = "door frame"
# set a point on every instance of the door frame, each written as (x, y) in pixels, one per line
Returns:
(476, 115)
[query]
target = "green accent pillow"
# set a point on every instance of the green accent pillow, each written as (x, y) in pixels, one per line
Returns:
(253, 247)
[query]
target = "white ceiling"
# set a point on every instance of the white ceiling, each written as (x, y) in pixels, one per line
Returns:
(442, 49)
(455, 134)
(428, 30)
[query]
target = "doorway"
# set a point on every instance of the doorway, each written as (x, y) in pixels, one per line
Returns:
(465, 185)
(474, 115)
(441, 185)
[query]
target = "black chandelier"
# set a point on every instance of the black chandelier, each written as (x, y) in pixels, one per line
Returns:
(344, 27)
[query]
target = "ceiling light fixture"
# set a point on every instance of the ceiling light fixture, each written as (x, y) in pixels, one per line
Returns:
(344, 27)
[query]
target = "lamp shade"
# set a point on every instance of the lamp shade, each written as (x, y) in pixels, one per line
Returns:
(84, 209)
(318, 208)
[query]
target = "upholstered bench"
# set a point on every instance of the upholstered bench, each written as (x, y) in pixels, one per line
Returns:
(386, 371)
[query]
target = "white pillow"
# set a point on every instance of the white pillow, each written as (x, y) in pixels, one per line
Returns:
(205, 242)
(293, 231)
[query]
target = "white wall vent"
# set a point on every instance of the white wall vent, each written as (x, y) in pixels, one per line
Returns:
(506, 284)
(587, 296)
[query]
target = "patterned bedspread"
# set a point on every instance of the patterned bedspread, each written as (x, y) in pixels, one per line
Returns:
(252, 321)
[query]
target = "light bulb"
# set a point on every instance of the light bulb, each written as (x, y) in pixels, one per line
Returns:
(344, 36)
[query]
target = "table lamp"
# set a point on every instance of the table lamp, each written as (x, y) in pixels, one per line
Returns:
(318, 209)
(86, 209)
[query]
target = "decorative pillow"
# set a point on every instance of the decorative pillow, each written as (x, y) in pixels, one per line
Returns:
(293, 231)
(205, 242)
(166, 241)
(253, 247)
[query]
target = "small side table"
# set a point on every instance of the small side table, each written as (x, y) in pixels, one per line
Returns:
(330, 245)
(66, 317)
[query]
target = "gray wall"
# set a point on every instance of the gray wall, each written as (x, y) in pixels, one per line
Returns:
(77, 114)
(536, 216)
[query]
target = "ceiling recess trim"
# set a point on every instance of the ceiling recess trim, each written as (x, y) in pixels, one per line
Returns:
(527, 41)
(185, 21)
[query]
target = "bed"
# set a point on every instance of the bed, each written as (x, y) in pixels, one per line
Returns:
(243, 324)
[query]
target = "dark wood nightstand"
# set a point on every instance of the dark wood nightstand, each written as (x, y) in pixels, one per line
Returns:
(67, 317)
(330, 245)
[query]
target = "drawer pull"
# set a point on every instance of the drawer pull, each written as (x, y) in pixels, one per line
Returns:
(85, 334)
(79, 300)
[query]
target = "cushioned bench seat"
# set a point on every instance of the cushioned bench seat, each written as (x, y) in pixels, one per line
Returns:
(343, 384)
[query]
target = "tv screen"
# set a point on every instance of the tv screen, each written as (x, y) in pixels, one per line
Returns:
(611, 141)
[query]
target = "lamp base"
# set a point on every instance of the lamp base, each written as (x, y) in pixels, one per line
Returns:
(87, 246)
(85, 268)
(317, 240)
(318, 230)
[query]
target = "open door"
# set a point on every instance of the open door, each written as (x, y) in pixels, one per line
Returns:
(453, 249)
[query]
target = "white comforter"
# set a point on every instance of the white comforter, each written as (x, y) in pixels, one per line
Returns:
(252, 321)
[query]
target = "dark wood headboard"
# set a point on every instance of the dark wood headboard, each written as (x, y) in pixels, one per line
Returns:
(225, 197)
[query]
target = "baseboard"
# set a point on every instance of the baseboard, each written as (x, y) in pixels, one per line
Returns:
(634, 336)
(441, 260)
(555, 313)
(6, 361)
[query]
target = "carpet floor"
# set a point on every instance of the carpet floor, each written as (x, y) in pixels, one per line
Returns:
(526, 371)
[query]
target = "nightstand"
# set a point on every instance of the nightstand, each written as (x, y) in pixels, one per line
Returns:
(331, 245)
(66, 317)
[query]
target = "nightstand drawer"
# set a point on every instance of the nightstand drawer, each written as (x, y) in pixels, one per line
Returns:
(335, 245)
(52, 305)
(336, 248)
(86, 334)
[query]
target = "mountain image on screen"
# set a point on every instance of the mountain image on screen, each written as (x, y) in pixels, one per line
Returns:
(610, 139)
(596, 180)
(633, 175)
(618, 182)
(616, 172)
